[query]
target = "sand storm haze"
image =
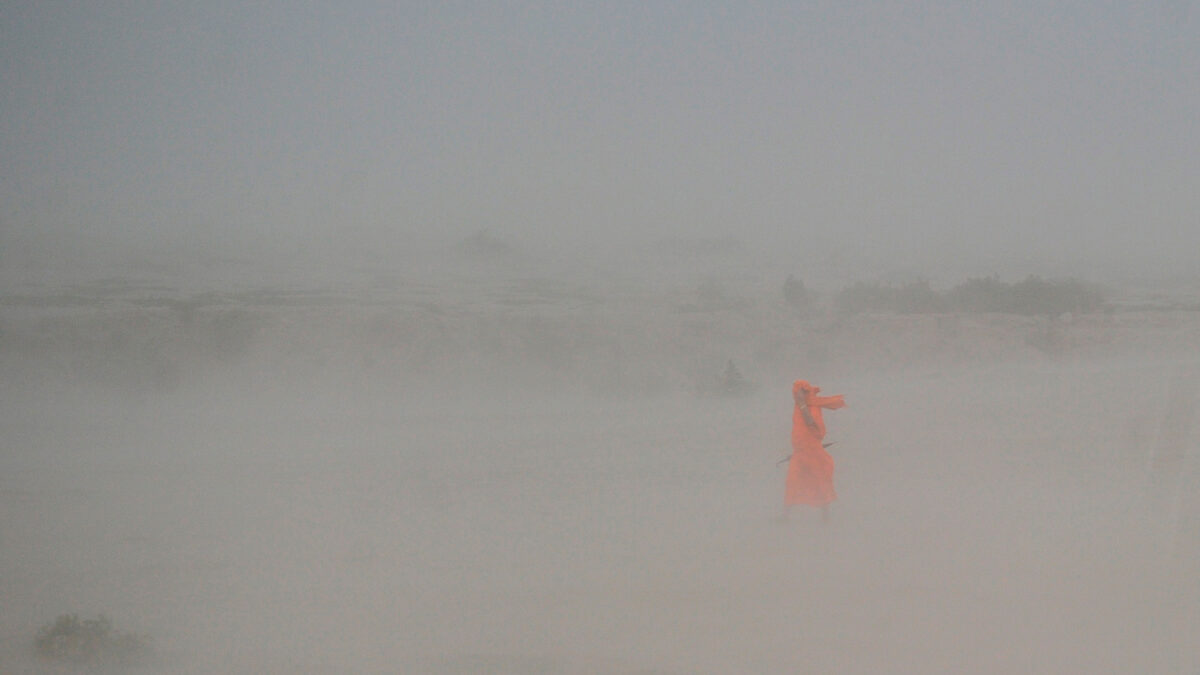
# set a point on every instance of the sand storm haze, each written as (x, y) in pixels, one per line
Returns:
(459, 337)
(509, 500)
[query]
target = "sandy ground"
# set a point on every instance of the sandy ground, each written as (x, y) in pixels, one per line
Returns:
(992, 519)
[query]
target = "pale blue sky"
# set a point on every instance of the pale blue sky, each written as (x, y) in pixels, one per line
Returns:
(1062, 131)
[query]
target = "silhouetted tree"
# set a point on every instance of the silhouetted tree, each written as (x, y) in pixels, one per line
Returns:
(794, 293)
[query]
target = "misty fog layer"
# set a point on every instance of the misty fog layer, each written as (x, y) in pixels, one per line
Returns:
(459, 337)
(539, 480)
(1047, 138)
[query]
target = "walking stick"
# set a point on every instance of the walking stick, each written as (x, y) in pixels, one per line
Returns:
(823, 445)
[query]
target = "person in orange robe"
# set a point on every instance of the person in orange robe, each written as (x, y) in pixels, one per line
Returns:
(810, 469)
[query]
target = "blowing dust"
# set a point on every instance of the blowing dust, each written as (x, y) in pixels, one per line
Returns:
(1029, 515)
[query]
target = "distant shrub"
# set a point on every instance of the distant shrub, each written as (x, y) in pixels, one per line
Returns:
(912, 298)
(987, 294)
(1031, 296)
(1038, 296)
(90, 642)
(794, 293)
(730, 383)
(710, 296)
(733, 383)
(484, 247)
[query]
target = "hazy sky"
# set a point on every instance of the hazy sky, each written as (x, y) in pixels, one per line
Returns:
(913, 131)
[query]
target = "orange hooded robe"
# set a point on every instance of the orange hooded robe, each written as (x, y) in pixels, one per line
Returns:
(810, 471)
